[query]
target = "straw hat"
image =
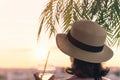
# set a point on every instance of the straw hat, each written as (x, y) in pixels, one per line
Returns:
(85, 41)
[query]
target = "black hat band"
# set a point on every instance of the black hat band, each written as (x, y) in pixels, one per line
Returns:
(83, 46)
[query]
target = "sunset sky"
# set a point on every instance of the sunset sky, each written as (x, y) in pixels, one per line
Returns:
(19, 22)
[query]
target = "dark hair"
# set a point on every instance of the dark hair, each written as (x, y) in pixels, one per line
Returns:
(84, 69)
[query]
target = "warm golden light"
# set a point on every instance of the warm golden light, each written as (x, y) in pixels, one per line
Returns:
(41, 51)
(18, 32)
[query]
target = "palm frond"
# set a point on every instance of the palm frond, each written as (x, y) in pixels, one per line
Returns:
(65, 12)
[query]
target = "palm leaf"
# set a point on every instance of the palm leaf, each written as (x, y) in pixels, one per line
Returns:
(64, 12)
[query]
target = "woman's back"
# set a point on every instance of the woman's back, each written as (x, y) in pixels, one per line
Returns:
(76, 78)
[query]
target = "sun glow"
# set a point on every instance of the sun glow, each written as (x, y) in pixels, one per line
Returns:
(42, 48)
(41, 51)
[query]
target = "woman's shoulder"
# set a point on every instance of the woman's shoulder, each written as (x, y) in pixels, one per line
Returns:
(104, 78)
(76, 78)
(73, 78)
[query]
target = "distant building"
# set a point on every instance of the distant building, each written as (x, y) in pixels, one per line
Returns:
(17, 74)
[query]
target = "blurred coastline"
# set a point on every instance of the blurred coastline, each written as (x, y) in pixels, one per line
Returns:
(59, 72)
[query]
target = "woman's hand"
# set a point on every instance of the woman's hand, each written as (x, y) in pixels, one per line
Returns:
(36, 76)
(52, 77)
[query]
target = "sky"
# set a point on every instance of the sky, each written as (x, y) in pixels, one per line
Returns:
(19, 23)
(18, 20)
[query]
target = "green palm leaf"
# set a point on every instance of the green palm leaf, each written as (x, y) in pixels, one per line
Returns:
(62, 13)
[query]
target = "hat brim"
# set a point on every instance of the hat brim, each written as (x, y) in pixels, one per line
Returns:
(94, 57)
